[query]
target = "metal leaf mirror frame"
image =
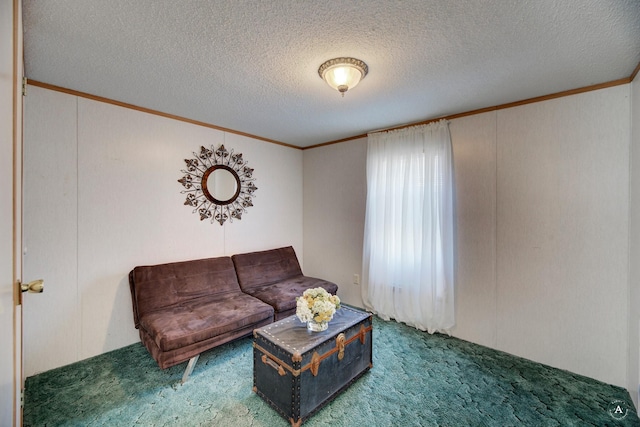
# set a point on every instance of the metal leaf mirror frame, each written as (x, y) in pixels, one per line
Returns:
(200, 194)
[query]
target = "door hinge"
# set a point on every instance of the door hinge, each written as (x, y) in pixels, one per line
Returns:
(22, 398)
(24, 86)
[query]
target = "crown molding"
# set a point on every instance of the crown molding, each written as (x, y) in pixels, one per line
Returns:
(154, 112)
(570, 92)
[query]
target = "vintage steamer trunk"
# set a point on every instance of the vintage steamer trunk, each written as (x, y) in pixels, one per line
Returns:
(297, 371)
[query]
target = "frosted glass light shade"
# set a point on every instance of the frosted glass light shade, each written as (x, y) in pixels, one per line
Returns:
(343, 74)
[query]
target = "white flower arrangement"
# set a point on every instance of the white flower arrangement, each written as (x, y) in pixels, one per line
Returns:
(316, 305)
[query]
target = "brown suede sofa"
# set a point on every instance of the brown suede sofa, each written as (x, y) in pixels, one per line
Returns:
(184, 308)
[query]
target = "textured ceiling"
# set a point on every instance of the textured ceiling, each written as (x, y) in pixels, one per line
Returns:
(251, 66)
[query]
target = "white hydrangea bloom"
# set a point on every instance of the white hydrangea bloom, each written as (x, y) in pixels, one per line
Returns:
(303, 311)
(316, 304)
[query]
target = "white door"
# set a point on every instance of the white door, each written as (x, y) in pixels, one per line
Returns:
(11, 382)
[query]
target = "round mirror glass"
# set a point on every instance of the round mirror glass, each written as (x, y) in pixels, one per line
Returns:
(221, 183)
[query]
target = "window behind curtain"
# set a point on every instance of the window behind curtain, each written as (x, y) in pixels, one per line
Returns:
(408, 260)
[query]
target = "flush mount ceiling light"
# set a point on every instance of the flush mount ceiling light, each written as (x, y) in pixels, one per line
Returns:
(343, 74)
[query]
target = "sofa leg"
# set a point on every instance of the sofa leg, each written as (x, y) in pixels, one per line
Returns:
(190, 366)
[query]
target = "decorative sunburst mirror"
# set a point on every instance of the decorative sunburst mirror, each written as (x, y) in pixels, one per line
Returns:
(218, 183)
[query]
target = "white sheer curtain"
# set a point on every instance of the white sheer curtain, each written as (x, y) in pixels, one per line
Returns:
(408, 257)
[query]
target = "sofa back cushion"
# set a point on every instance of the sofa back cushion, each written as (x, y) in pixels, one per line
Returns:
(256, 269)
(157, 286)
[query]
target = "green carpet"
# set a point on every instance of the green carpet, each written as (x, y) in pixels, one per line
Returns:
(417, 380)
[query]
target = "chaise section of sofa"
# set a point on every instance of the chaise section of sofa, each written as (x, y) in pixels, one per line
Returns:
(275, 277)
(184, 308)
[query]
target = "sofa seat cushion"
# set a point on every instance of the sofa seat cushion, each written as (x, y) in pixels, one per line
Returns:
(196, 320)
(282, 295)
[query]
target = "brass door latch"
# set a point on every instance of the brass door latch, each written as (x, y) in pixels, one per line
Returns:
(33, 287)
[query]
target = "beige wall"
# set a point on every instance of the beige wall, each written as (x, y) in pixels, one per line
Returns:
(562, 232)
(474, 153)
(101, 196)
(335, 192)
(634, 246)
(542, 207)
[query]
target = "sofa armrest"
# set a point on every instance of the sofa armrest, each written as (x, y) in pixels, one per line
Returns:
(134, 301)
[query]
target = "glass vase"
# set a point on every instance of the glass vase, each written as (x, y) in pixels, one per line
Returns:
(314, 326)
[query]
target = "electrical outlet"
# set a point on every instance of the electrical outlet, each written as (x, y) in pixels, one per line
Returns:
(356, 279)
